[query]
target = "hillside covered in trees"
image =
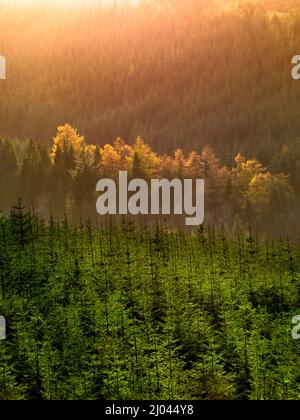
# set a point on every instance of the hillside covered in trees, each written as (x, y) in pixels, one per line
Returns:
(60, 179)
(126, 313)
(179, 74)
(106, 308)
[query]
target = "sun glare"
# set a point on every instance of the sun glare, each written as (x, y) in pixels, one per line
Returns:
(67, 3)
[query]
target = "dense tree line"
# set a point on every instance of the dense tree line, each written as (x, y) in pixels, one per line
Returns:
(61, 180)
(125, 313)
(180, 74)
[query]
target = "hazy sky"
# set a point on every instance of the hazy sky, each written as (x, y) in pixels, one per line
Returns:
(66, 3)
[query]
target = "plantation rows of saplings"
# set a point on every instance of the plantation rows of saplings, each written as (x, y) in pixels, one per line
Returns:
(126, 312)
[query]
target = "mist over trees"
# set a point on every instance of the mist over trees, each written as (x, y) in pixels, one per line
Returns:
(179, 74)
(60, 179)
(193, 90)
(139, 308)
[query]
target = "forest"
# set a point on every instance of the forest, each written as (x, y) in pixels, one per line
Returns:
(145, 308)
(207, 84)
(179, 74)
(101, 309)
(60, 180)
(194, 317)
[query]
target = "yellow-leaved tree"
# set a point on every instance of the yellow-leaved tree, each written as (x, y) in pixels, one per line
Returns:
(145, 162)
(270, 193)
(242, 176)
(67, 147)
(115, 158)
(68, 151)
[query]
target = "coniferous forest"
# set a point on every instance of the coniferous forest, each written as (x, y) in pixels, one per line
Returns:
(138, 313)
(144, 308)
